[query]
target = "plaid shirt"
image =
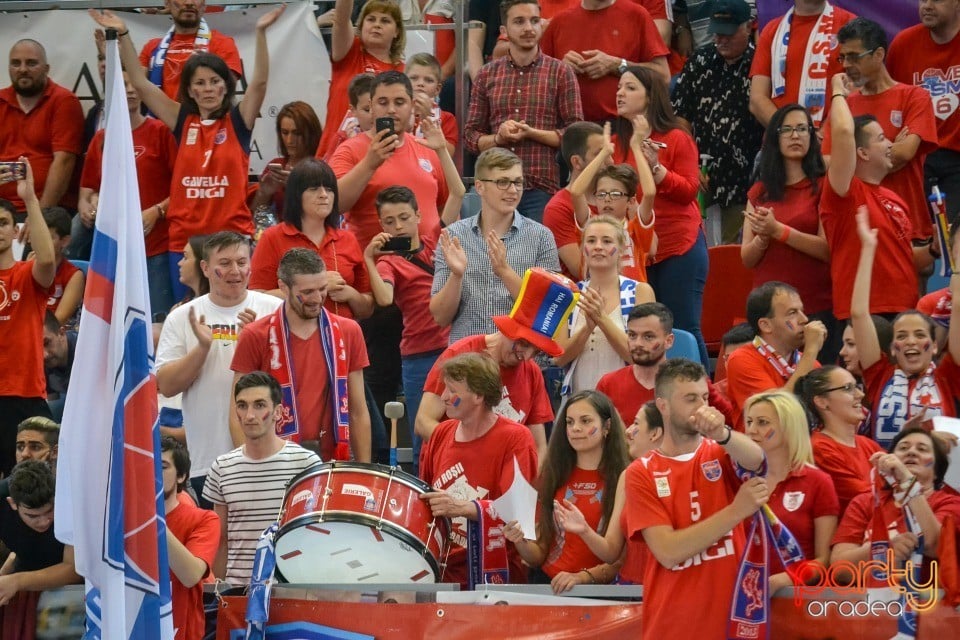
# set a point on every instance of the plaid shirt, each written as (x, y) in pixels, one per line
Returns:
(482, 294)
(544, 94)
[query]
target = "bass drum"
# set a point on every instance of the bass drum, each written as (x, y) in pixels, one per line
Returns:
(352, 522)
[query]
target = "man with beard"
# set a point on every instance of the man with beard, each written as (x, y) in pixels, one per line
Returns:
(649, 336)
(164, 57)
(773, 359)
(43, 121)
(317, 357)
(193, 536)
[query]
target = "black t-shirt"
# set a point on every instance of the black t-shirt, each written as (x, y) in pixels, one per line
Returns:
(34, 550)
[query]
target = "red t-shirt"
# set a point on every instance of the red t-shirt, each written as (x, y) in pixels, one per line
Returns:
(181, 48)
(914, 58)
(155, 152)
(800, 498)
(481, 469)
(315, 418)
(55, 124)
(338, 249)
(749, 372)
(356, 61)
(678, 213)
(622, 30)
(525, 398)
(849, 467)
(199, 531)
(894, 277)
(60, 281)
(637, 554)
(208, 192)
(679, 492)
(902, 106)
(856, 526)
(800, 31)
(23, 304)
(412, 165)
(809, 276)
(584, 488)
(946, 379)
(560, 219)
(411, 293)
(627, 394)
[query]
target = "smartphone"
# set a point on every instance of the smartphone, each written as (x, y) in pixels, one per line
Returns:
(397, 245)
(275, 166)
(18, 169)
(384, 124)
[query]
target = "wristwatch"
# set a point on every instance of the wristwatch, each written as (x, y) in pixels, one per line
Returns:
(623, 66)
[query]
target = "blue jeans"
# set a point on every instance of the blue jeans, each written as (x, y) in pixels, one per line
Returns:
(415, 370)
(158, 279)
(532, 203)
(179, 289)
(678, 283)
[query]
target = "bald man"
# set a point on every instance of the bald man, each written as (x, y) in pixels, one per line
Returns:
(43, 121)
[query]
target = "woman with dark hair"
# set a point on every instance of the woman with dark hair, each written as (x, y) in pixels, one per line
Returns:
(644, 435)
(912, 502)
(311, 219)
(834, 402)
(208, 192)
(191, 275)
(659, 138)
(298, 135)
(783, 239)
(911, 385)
(376, 44)
(584, 461)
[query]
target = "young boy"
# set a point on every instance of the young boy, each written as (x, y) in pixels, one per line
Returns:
(359, 117)
(616, 195)
(68, 283)
(424, 72)
(405, 278)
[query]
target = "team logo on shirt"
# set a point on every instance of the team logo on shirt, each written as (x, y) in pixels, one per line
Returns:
(712, 470)
(192, 134)
(426, 165)
(896, 118)
(663, 487)
(792, 500)
(4, 298)
(139, 150)
(221, 137)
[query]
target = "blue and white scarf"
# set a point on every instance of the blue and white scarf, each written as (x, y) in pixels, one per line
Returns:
(159, 55)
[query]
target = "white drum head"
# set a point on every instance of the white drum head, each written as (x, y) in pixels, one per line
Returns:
(344, 552)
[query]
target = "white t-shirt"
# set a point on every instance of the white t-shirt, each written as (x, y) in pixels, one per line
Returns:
(206, 404)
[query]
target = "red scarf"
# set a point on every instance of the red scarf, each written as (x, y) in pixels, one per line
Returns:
(777, 361)
(281, 367)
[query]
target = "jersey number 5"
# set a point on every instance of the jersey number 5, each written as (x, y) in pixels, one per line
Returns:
(694, 506)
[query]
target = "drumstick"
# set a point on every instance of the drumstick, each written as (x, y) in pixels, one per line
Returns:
(394, 411)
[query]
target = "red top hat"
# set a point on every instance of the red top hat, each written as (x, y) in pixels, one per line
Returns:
(541, 310)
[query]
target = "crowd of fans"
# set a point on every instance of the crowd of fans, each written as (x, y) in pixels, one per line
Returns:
(355, 271)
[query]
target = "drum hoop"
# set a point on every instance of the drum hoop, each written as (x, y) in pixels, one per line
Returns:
(378, 470)
(350, 517)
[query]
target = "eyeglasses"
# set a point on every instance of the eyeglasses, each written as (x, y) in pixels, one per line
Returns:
(611, 195)
(853, 57)
(504, 183)
(850, 387)
(787, 131)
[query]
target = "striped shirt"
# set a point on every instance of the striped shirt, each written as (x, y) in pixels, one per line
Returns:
(483, 295)
(544, 94)
(253, 492)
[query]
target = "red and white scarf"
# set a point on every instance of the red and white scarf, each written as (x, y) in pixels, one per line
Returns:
(898, 402)
(777, 361)
(281, 367)
(813, 82)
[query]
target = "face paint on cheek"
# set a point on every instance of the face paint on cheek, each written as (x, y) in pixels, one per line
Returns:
(593, 431)
(613, 251)
(790, 325)
(300, 299)
(926, 346)
(218, 273)
(896, 347)
(769, 434)
(455, 400)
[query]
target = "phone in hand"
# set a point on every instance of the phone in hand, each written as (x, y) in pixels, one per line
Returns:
(399, 244)
(16, 168)
(384, 124)
(275, 166)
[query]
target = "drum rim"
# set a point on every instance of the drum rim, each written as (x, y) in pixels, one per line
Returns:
(350, 517)
(371, 468)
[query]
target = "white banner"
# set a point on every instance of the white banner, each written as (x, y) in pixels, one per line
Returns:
(299, 62)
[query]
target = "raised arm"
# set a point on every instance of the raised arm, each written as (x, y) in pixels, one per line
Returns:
(44, 263)
(582, 183)
(864, 332)
(162, 106)
(343, 32)
(843, 153)
(257, 83)
(433, 139)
